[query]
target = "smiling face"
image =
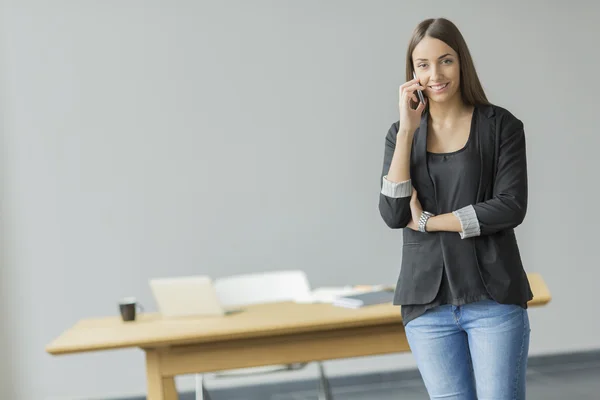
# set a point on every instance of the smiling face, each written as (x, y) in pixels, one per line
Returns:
(437, 67)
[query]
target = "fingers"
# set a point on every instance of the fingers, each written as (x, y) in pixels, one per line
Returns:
(408, 83)
(419, 106)
(409, 92)
(410, 86)
(415, 86)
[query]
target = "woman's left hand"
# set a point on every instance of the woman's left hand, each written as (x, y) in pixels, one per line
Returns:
(416, 210)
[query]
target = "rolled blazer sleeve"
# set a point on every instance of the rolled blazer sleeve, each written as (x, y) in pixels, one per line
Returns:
(508, 206)
(394, 197)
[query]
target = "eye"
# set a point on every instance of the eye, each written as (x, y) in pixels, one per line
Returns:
(447, 61)
(422, 65)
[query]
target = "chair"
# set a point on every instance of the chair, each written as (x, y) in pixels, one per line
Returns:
(260, 288)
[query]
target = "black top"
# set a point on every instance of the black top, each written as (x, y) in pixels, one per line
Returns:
(499, 205)
(455, 178)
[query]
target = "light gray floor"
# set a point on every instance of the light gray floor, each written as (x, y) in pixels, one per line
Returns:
(576, 383)
(576, 380)
(568, 377)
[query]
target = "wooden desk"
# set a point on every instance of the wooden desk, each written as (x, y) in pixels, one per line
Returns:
(268, 334)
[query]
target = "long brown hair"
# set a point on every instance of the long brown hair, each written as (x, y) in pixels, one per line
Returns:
(440, 28)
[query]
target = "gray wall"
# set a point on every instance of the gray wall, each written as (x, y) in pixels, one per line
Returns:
(147, 139)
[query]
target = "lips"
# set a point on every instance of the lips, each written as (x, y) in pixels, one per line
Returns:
(440, 87)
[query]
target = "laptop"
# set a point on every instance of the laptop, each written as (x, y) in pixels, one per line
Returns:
(187, 296)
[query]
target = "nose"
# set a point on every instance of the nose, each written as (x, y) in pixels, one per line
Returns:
(434, 73)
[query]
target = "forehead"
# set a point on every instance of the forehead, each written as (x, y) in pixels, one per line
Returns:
(429, 49)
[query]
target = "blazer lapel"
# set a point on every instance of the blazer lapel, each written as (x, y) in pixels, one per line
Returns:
(421, 179)
(488, 144)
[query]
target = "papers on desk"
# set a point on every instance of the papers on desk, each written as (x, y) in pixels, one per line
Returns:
(328, 294)
(365, 299)
(338, 295)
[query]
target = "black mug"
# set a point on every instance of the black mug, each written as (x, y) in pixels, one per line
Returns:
(128, 307)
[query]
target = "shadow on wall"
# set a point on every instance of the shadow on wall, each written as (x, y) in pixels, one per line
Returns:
(7, 390)
(7, 386)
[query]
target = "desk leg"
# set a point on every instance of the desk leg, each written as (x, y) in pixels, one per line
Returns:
(159, 387)
(324, 388)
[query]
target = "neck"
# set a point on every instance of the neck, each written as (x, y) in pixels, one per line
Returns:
(448, 110)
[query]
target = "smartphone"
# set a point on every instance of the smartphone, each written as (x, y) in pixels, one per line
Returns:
(419, 93)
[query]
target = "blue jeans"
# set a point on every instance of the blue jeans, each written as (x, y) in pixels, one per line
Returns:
(474, 351)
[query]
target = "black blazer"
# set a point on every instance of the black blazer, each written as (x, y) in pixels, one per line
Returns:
(501, 206)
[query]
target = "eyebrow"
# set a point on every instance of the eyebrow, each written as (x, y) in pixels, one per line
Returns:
(439, 58)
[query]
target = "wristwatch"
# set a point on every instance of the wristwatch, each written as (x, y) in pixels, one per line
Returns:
(425, 215)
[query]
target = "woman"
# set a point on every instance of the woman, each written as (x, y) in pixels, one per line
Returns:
(455, 177)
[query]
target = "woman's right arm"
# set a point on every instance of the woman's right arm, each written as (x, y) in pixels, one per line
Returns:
(396, 186)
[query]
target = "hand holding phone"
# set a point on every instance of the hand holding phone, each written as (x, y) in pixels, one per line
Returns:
(411, 109)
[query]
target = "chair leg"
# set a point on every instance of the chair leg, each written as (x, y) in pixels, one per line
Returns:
(201, 392)
(324, 389)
